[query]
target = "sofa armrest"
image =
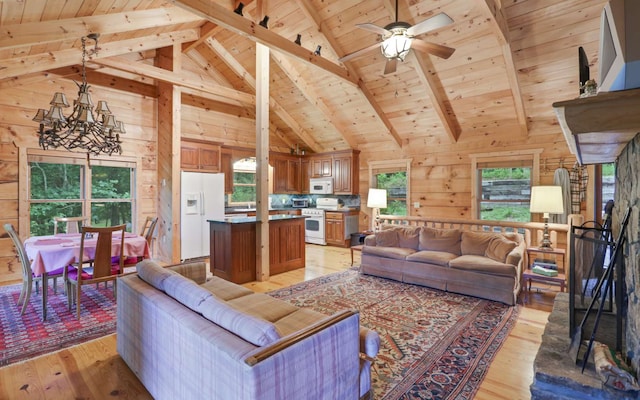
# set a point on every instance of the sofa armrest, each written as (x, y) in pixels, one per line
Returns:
(370, 240)
(196, 271)
(278, 346)
(369, 343)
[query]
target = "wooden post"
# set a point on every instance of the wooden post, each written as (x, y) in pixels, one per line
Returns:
(262, 159)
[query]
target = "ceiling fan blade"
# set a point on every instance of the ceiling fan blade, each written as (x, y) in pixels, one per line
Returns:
(390, 66)
(359, 52)
(429, 24)
(373, 28)
(432, 48)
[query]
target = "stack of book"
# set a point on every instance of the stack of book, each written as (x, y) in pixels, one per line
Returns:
(544, 271)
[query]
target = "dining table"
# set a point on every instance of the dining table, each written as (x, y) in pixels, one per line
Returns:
(51, 252)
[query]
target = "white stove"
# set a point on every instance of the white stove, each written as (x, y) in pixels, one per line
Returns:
(314, 225)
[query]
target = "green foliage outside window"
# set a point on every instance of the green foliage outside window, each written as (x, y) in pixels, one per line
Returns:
(244, 187)
(396, 185)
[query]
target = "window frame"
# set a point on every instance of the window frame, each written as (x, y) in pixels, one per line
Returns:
(71, 158)
(505, 159)
(390, 166)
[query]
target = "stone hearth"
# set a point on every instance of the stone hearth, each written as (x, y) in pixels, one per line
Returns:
(556, 376)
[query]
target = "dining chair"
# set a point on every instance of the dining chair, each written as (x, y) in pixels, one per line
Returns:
(28, 278)
(148, 228)
(73, 224)
(101, 269)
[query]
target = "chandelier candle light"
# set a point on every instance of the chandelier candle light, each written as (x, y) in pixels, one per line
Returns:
(80, 131)
(546, 200)
(376, 200)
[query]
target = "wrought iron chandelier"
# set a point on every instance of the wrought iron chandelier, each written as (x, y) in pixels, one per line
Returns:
(80, 131)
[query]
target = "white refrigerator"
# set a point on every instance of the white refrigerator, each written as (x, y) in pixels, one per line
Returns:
(202, 198)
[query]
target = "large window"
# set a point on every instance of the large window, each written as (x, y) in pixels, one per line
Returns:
(392, 175)
(68, 187)
(244, 181)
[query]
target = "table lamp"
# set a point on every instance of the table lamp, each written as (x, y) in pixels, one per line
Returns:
(377, 199)
(546, 200)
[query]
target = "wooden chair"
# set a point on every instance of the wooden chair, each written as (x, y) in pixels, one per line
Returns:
(101, 270)
(148, 229)
(73, 224)
(27, 275)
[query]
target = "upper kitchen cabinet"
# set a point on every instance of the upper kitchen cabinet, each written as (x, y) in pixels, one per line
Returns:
(346, 172)
(199, 156)
(321, 166)
(286, 173)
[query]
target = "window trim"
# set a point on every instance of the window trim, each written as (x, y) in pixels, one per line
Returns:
(26, 155)
(532, 155)
(397, 165)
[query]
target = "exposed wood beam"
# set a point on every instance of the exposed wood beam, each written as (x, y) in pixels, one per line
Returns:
(219, 15)
(42, 32)
(494, 12)
(312, 14)
(423, 68)
(206, 31)
(109, 81)
(177, 79)
(312, 95)
(280, 111)
(17, 66)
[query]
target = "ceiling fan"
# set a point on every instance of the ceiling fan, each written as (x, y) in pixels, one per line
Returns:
(398, 38)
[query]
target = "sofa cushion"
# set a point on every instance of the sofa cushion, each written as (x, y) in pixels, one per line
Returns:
(299, 319)
(408, 237)
(152, 273)
(482, 264)
(432, 257)
(252, 329)
(225, 290)
(263, 306)
(475, 243)
(387, 238)
(447, 240)
(515, 255)
(397, 253)
(498, 248)
(186, 291)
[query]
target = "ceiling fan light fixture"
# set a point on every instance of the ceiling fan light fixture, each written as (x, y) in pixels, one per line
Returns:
(396, 46)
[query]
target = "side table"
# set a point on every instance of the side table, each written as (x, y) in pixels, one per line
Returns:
(355, 248)
(529, 276)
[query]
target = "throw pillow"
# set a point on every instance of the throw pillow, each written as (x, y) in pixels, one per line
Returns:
(498, 248)
(387, 238)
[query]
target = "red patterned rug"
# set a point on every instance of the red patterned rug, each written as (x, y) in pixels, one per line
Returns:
(26, 336)
(434, 345)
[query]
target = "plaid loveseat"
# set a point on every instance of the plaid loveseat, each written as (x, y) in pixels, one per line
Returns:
(188, 338)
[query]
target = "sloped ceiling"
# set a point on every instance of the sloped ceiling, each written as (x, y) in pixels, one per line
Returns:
(512, 60)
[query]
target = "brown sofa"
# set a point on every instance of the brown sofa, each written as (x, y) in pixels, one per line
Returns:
(482, 264)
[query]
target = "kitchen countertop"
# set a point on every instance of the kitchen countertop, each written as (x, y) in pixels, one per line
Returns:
(251, 220)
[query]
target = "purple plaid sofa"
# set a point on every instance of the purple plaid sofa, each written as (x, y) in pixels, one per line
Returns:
(188, 338)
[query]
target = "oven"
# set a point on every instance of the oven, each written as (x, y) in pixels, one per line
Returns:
(314, 225)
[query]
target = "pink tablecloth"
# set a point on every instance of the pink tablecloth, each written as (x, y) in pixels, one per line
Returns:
(52, 252)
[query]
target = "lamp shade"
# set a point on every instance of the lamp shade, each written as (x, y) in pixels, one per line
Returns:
(377, 198)
(546, 199)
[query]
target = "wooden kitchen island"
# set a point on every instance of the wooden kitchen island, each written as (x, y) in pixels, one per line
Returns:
(233, 246)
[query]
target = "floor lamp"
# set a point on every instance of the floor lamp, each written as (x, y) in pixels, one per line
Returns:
(377, 199)
(546, 200)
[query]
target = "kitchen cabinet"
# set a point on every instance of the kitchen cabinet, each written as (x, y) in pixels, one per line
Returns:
(199, 156)
(305, 175)
(226, 167)
(286, 173)
(321, 166)
(346, 172)
(339, 225)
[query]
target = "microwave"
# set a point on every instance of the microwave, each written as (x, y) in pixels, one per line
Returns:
(299, 203)
(321, 186)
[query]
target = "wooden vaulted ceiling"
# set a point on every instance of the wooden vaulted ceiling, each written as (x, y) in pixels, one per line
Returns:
(512, 60)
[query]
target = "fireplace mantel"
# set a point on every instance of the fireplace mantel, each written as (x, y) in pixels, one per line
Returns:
(597, 128)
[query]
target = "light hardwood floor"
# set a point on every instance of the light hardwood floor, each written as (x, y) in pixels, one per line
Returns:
(94, 370)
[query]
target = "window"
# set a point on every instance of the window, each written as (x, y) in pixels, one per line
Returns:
(244, 181)
(68, 187)
(501, 184)
(392, 175)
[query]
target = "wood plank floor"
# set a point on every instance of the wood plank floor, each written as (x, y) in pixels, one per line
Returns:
(94, 370)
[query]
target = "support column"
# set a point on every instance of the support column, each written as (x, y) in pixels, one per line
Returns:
(262, 159)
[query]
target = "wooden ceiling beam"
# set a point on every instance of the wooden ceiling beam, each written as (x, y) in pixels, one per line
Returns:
(221, 92)
(280, 111)
(206, 31)
(16, 66)
(312, 14)
(43, 32)
(493, 10)
(219, 15)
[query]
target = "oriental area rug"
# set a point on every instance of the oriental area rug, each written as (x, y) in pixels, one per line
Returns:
(26, 336)
(433, 344)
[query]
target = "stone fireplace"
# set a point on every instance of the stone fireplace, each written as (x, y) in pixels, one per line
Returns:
(556, 375)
